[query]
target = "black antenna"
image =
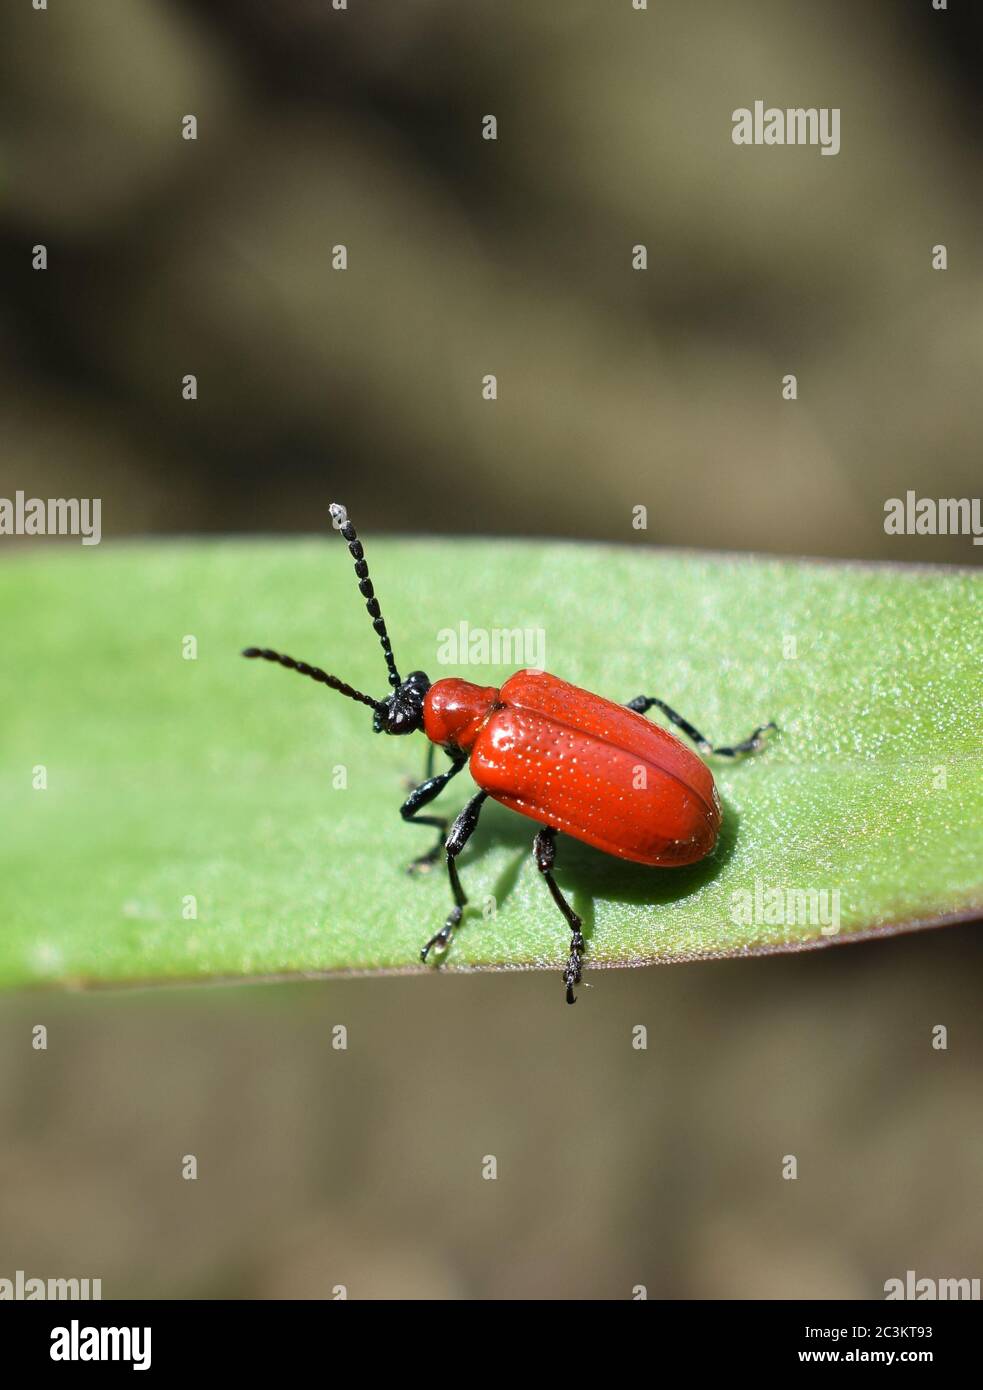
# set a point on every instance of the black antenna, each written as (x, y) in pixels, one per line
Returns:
(316, 674)
(340, 517)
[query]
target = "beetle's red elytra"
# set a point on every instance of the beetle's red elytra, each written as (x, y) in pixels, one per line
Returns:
(572, 761)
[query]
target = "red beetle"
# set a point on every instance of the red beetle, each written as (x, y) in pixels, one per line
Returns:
(577, 763)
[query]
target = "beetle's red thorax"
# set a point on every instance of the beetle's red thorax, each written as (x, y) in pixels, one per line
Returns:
(455, 711)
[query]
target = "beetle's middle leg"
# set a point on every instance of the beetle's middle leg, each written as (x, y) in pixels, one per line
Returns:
(422, 796)
(460, 833)
(643, 703)
(544, 850)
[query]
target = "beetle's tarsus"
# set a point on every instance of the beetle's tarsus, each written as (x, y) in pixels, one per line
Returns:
(571, 976)
(441, 940)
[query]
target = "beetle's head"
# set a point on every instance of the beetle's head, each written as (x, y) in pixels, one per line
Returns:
(402, 711)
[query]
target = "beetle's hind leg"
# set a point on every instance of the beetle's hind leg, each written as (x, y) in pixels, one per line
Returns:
(460, 833)
(544, 851)
(643, 703)
(422, 796)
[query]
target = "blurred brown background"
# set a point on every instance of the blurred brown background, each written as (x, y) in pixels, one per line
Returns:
(466, 257)
(616, 1167)
(362, 127)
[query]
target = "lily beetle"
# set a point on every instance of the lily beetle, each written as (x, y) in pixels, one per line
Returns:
(597, 771)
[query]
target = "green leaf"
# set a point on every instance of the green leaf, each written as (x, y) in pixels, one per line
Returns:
(213, 779)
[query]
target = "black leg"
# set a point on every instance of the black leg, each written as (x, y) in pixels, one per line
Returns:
(544, 850)
(460, 834)
(422, 796)
(643, 703)
(410, 783)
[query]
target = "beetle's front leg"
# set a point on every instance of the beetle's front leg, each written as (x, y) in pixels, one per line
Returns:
(461, 832)
(422, 796)
(410, 782)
